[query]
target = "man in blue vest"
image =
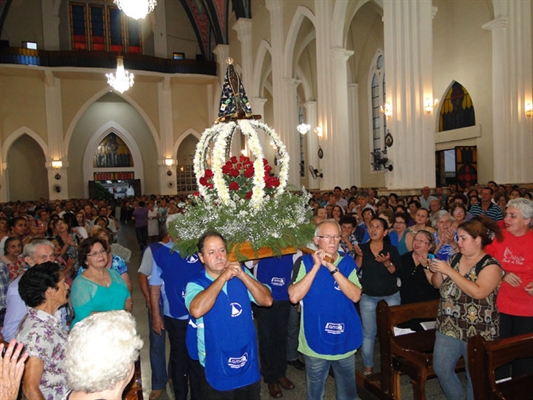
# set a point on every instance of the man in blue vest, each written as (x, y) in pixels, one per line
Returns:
(330, 329)
(158, 363)
(170, 274)
(272, 322)
(220, 299)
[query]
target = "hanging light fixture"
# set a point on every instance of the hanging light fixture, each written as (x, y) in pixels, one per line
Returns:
(123, 80)
(136, 9)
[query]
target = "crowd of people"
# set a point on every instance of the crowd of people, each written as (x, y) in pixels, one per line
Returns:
(62, 271)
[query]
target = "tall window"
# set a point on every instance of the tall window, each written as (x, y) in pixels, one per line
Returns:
(103, 27)
(457, 109)
(377, 99)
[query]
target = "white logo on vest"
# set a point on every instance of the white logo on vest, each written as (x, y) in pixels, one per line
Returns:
(192, 259)
(336, 286)
(238, 362)
(277, 281)
(334, 328)
(236, 309)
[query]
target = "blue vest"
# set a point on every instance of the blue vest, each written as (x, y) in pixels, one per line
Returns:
(230, 338)
(176, 272)
(331, 323)
(276, 273)
(191, 338)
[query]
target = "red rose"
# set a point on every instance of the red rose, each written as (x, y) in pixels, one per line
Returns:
(265, 161)
(208, 173)
(226, 169)
(233, 172)
(196, 194)
(249, 172)
(248, 195)
(209, 186)
(203, 181)
(275, 182)
(233, 160)
(244, 159)
(233, 186)
(268, 168)
(239, 167)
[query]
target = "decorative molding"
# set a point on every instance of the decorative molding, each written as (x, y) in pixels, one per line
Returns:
(453, 135)
(497, 23)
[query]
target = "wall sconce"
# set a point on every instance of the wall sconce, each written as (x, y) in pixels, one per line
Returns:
(428, 106)
(386, 109)
(303, 128)
(529, 110)
(169, 162)
(318, 131)
(57, 164)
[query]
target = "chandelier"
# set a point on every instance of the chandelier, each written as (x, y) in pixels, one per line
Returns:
(136, 9)
(123, 80)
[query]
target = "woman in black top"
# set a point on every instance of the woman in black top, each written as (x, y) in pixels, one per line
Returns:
(381, 265)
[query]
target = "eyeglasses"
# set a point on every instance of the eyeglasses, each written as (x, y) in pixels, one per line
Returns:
(327, 237)
(96, 253)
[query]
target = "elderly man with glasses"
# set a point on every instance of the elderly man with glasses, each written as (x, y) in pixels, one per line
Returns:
(327, 285)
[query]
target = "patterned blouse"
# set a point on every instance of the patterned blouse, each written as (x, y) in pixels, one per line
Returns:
(45, 338)
(16, 268)
(462, 317)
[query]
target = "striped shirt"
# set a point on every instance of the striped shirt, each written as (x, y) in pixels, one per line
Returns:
(493, 212)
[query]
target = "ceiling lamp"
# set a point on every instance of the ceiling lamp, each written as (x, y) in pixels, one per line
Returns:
(123, 79)
(136, 9)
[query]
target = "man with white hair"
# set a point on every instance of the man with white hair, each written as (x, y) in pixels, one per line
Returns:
(330, 330)
(35, 252)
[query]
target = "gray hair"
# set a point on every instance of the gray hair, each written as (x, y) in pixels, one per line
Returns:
(438, 215)
(101, 351)
(29, 249)
(525, 206)
(326, 221)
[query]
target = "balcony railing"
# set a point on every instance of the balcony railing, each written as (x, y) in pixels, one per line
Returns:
(98, 59)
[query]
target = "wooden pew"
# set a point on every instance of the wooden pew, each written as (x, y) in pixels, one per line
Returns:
(134, 390)
(410, 354)
(484, 357)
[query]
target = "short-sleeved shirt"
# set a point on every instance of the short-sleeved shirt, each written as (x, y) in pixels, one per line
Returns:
(88, 297)
(303, 346)
(191, 291)
(493, 212)
(45, 338)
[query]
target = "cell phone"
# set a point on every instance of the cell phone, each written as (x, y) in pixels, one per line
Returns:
(431, 256)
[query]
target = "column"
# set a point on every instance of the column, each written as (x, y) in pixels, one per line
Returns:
(353, 131)
(310, 108)
(511, 90)
(167, 183)
(3, 180)
(339, 138)
(243, 27)
(289, 135)
(408, 68)
(222, 54)
(54, 127)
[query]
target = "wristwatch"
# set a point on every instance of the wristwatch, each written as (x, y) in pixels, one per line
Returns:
(334, 271)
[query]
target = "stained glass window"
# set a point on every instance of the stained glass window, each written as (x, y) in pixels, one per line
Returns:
(78, 27)
(457, 110)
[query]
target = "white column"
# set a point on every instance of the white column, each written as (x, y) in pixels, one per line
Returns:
(222, 54)
(325, 97)
(408, 71)
(243, 27)
(339, 136)
(512, 88)
(289, 135)
(167, 184)
(54, 127)
(353, 131)
(310, 108)
(3, 180)
(258, 107)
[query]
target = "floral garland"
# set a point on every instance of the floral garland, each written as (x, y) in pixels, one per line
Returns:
(222, 135)
(240, 197)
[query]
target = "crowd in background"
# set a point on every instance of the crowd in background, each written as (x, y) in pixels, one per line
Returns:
(477, 237)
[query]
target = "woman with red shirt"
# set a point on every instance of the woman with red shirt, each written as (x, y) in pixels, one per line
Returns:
(515, 299)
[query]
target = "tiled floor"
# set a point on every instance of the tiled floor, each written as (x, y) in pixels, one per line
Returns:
(126, 238)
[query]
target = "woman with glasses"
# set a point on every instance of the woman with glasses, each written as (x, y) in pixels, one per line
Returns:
(97, 288)
(380, 267)
(415, 274)
(405, 237)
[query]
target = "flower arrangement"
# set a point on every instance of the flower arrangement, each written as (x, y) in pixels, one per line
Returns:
(240, 197)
